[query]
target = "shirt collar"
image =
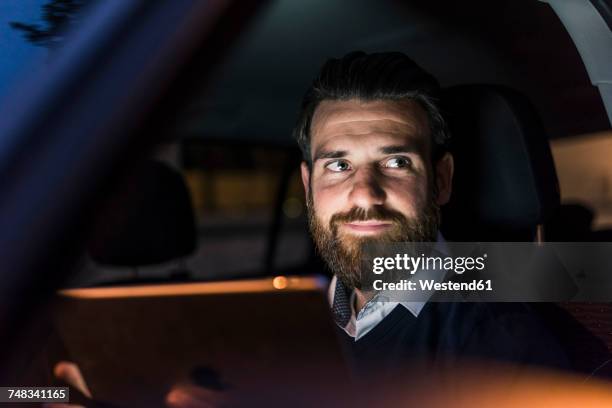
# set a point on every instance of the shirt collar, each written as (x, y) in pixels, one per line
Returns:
(342, 302)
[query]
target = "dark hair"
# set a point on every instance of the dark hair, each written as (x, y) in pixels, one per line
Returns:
(369, 77)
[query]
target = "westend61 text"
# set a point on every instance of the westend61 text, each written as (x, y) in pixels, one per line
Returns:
(430, 284)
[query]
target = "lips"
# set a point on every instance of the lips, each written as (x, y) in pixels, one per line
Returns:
(367, 227)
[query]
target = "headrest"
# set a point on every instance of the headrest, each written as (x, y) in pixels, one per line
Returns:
(505, 180)
(148, 220)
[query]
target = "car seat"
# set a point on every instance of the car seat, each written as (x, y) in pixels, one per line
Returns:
(147, 220)
(506, 189)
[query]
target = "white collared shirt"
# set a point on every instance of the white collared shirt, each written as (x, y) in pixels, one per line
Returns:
(375, 310)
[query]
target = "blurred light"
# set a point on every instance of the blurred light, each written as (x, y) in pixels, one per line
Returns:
(198, 288)
(280, 282)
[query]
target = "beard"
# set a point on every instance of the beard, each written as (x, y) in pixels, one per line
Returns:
(344, 252)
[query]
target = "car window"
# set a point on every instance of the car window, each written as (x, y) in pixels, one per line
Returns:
(583, 168)
(16, 51)
(249, 209)
(30, 32)
(235, 192)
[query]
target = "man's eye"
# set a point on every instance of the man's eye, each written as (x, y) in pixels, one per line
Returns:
(398, 162)
(338, 166)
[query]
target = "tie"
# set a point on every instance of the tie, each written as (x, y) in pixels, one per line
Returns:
(341, 307)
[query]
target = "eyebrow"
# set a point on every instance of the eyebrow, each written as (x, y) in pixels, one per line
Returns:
(329, 154)
(394, 149)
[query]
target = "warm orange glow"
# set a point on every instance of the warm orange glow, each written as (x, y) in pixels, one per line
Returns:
(492, 385)
(280, 282)
(208, 288)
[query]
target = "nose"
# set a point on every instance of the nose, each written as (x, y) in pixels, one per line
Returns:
(366, 190)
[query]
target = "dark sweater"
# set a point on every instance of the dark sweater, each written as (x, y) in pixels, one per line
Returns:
(445, 333)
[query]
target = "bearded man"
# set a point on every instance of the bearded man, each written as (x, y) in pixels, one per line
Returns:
(377, 169)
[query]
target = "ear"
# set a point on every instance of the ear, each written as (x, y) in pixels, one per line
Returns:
(444, 178)
(305, 177)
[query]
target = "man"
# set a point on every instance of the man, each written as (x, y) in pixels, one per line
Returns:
(376, 169)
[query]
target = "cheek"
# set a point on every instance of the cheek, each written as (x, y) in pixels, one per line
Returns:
(408, 198)
(327, 202)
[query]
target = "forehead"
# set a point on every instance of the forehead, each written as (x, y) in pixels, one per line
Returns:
(352, 121)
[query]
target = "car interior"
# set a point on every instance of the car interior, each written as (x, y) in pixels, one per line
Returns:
(153, 145)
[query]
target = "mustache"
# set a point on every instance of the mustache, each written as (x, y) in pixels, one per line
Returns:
(378, 213)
